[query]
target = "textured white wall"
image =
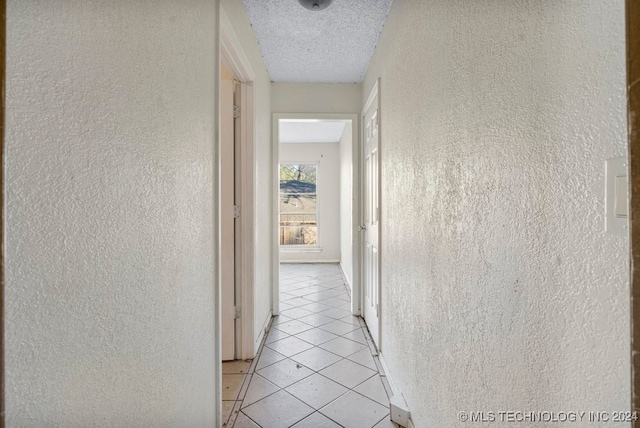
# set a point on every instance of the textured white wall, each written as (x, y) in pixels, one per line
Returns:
(328, 203)
(109, 181)
(316, 97)
(262, 174)
(500, 288)
(346, 203)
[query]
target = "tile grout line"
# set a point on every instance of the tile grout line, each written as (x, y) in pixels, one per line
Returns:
(333, 306)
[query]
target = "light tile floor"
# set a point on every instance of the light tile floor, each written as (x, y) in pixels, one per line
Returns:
(317, 366)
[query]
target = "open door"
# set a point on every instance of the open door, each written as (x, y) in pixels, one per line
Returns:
(371, 211)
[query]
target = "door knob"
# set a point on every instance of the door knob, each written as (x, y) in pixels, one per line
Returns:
(361, 228)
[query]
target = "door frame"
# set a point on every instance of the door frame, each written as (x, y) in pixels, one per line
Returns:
(234, 57)
(356, 203)
(375, 92)
(632, 13)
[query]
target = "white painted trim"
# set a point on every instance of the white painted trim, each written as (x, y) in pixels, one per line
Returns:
(247, 221)
(217, 313)
(372, 95)
(394, 386)
(231, 50)
(263, 330)
(274, 217)
(356, 191)
(330, 262)
(344, 275)
(300, 249)
(385, 367)
(359, 285)
(233, 55)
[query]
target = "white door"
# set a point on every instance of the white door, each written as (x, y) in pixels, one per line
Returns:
(227, 232)
(371, 187)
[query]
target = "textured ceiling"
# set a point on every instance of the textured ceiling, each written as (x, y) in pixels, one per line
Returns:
(311, 131)
(331, 45)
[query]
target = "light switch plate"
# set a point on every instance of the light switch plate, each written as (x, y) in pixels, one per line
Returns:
(617, 196)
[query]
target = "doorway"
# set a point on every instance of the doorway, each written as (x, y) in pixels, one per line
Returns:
(316, 195)
(236, 192)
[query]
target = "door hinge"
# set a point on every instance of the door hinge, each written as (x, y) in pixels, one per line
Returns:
(236, 211)
(236, 312)
(236, 111)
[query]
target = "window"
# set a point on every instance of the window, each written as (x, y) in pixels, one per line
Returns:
(298, 210)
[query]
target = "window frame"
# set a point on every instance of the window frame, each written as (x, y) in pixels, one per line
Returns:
(299, 247)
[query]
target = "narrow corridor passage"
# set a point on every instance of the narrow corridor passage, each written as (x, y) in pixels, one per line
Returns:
(317, 367)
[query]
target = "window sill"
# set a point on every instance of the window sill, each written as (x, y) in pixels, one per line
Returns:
(299, 249)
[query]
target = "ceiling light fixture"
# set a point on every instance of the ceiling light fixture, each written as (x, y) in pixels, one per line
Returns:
(315, 4)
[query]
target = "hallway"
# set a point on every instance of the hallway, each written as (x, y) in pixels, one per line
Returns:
(317, 367)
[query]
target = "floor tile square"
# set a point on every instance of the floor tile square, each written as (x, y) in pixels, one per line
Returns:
(293, 327)
(295, 313)
(316, 420)
(317, 297)
(285, 373)
(338, 303)
(316, 336)
(275, 334)
(278, 410)
(316, 307)
(386, 423)
(374, 389)
(258, 389)
(347, 373)
(284, 306)
(316, 358)
(280, 319)
(352, 319)
(341, 346)
(364, 358)
(231, 384)
(284, 296)
(297, 302)
(301, 291)
(335, 313)
(243, 421)
(343, 411)
(338, 292)
(316, 320)
(316, 390)
(357, 336)
(289, 346)
(267, 357)
(236, 367)
(338, 327)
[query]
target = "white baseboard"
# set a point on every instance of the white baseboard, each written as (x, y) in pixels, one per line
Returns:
(284, 262)
(393, 386)
(263, 331)
(344, 275)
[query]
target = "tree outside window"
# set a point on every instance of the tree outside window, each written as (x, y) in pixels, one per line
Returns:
(298, 198)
